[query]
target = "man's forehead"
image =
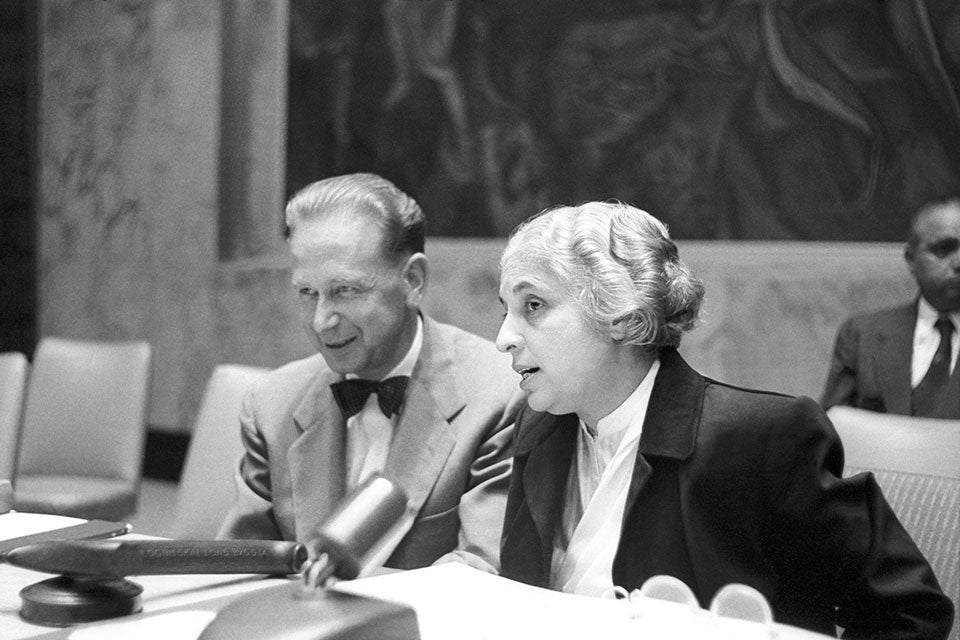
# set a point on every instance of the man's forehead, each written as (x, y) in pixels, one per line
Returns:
(939, 221)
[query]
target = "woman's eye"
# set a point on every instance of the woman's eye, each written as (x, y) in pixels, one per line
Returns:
(532, 306)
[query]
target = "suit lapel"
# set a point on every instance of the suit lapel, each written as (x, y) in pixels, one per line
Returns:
(317, 457)
(549, 443)
(892, 356)
(424, 438)
(670, 426)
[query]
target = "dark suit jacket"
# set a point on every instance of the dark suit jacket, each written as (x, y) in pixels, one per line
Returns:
(870, 368)
(451, 451)
(733, 485)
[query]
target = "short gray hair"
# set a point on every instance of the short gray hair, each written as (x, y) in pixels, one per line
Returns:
(398, 214)
(619, 263)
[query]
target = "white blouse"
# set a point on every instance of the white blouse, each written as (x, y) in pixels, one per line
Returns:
(596, 494)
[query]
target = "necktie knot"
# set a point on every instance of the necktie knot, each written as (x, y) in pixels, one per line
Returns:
(944, 326)
(352, 394)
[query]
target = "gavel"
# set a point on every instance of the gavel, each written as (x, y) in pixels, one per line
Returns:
(92, 585)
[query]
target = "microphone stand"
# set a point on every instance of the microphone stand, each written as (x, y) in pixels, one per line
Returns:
(365, 527)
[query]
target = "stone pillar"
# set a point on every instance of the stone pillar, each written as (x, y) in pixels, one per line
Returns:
(253, 109)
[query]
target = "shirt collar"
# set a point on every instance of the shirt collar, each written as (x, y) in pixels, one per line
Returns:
(631, 411)
(927, 315)
(406, 365)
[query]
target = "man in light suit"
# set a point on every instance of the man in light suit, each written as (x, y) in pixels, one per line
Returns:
(434, 418)
(903, 360)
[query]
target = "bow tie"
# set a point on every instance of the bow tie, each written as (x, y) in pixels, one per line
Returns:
(352, 394)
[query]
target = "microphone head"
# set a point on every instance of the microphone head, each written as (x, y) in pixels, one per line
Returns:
(360, 523)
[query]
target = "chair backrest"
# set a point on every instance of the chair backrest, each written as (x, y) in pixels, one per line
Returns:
(206, 490)
(916, 462)
(86, 409)
(13, 385)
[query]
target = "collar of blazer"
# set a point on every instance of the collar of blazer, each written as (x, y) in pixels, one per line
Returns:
(670, 427)
(422, 440)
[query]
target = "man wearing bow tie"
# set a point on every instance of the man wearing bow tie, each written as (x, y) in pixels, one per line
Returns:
(391, 391)
(904, 360)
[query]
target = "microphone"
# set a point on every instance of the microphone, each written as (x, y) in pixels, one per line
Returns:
(119, 558)
(363, 528)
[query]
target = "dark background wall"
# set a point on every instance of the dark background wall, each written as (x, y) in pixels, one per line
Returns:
(18, 299)
(772, 120)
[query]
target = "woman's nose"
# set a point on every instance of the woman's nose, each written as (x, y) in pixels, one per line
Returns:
(507, 338)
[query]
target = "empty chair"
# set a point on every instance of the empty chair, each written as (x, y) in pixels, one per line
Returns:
(206, 490)
(916, 462)
(84, 427)
(13, 384)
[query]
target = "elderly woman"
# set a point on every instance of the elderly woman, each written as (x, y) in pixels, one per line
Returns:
(629, 463)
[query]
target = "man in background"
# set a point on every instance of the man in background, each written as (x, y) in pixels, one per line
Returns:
(903, 360)
(391, 391)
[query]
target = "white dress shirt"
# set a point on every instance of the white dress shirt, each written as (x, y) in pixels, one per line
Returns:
(926, 339)
(369, 432)
(596, 495)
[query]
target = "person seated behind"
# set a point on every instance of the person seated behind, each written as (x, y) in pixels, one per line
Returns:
(629, 463)
(360, 272)
(900, 360)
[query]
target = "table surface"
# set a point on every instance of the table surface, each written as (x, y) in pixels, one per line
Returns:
(159, 592)
(450, 600)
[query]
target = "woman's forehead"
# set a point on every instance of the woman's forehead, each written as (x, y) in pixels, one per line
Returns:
(517, 277)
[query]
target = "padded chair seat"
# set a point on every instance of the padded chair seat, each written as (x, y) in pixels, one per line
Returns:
(84, 428)
(207, 489)
(916, 462)
(78, 496)
(929, 508)
(13, 385)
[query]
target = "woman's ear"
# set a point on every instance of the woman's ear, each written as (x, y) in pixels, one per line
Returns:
(617, 331)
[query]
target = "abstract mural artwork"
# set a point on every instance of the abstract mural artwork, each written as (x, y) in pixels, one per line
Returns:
(728, 119)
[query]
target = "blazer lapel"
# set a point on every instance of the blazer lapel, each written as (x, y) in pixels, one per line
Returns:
(670, 426)
(317, 458)
(424, 438)
(892, 356)
(548, 443)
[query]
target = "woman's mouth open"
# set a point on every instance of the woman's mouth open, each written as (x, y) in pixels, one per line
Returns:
(526, 372)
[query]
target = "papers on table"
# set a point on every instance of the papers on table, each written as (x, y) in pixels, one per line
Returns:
(15, 524)
(456, 601)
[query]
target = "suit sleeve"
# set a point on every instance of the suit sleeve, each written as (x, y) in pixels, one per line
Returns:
(841, 386)
(838, 539)
(251, 516)
(483, 504)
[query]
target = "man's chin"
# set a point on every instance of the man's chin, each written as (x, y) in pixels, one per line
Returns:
(339, 362)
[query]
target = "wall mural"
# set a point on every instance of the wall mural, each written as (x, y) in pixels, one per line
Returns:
(744, 119)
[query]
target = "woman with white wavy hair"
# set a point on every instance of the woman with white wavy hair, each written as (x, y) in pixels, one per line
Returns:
(629, 464)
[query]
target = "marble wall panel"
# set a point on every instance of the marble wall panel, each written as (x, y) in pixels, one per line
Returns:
(127, 203)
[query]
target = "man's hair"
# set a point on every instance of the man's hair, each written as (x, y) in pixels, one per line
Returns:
(396, 213)
(940, 199)
(619, 263)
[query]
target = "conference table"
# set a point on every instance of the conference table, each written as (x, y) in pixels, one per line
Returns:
(449, 600)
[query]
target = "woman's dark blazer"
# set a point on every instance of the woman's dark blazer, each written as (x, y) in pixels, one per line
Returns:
(734, 485)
